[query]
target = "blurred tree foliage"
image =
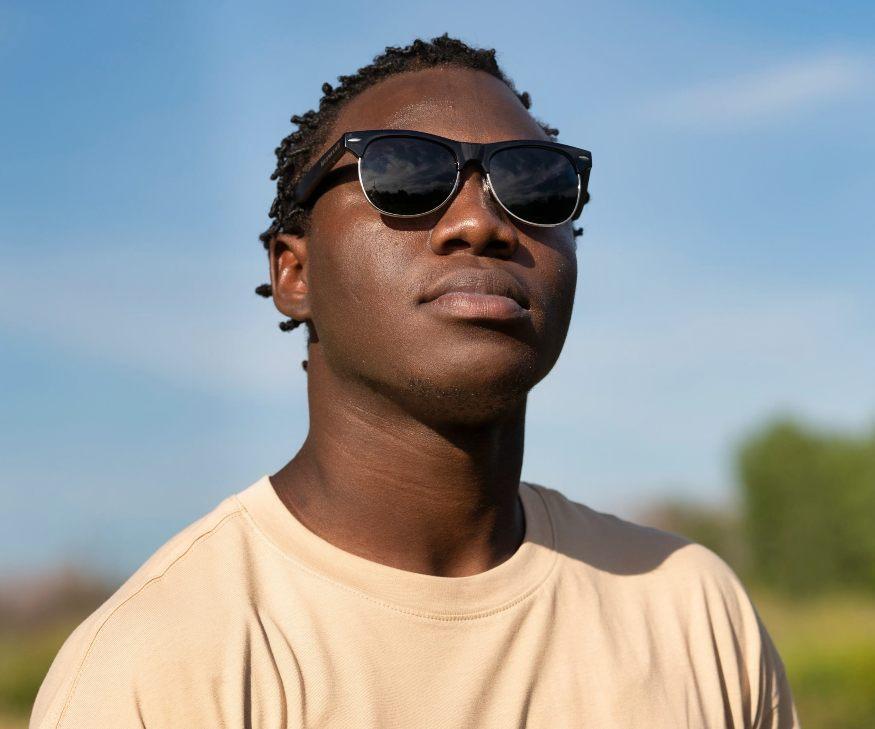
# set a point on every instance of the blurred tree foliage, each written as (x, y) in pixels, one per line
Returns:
(802, 527)
(808, 500)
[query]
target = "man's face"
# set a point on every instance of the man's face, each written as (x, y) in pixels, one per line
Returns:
(367, 274)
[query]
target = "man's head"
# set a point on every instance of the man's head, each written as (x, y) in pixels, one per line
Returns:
(360, 279)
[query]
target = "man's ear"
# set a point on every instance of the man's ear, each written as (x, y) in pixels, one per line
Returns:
(288, 275)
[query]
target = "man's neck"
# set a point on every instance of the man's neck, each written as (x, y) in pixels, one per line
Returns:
(377, 482)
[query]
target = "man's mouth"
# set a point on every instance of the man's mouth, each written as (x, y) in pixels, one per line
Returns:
(478, 293)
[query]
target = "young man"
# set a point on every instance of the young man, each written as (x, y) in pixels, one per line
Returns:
(396, 573)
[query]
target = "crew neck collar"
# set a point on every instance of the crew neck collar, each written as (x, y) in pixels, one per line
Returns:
(445, 598)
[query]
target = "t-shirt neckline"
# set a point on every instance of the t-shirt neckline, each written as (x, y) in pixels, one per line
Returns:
(445, 598)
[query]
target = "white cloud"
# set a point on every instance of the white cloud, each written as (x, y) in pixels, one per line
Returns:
(765, 95)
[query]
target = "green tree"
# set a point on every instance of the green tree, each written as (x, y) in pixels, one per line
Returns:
(809, 507)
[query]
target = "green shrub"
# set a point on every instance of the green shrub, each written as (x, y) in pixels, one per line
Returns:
(24, 661)
(809, 508)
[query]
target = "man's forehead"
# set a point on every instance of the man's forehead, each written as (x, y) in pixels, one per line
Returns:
(459, 103)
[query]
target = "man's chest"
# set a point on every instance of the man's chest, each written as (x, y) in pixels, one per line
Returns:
(529, 668)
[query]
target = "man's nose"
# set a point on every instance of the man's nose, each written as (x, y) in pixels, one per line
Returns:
(474, 222)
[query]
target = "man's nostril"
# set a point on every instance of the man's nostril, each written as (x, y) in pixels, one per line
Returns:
(456, 244)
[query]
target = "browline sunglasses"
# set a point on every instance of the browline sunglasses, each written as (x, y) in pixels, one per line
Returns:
(408, 174)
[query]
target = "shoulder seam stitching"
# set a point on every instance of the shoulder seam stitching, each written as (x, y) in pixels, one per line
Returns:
(201, 537)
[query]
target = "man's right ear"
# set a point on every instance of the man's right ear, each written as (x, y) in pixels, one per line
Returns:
(288, 275)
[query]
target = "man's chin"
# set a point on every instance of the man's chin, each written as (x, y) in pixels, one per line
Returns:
(467, 399)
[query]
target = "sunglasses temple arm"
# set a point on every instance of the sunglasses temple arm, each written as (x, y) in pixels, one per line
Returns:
(584, 193)
(311, 180)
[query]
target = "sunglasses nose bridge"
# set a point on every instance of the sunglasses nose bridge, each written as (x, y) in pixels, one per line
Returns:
(471, 152)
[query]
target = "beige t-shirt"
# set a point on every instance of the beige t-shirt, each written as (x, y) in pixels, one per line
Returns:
(247, 619)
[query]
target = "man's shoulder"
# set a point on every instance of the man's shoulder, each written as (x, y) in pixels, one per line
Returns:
(640, 570)
(677, 589)
(193, 551)
(612, 545)
(171, 595)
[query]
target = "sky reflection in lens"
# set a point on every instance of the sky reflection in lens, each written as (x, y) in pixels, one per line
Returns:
(405, 176)
(536, 184)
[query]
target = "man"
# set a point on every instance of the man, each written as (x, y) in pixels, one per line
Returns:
(396, 573)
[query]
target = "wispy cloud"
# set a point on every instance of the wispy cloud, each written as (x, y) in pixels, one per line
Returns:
(156, 318)
(766, 95)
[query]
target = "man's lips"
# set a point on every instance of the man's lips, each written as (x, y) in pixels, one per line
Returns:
(479, 294)
(469, 305)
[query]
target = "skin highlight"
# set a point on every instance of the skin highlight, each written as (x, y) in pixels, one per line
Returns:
(417, 416)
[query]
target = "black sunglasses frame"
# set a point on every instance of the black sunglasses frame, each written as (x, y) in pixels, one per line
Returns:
(464, 152)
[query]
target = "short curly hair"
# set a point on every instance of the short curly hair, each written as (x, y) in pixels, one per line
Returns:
(297, 150)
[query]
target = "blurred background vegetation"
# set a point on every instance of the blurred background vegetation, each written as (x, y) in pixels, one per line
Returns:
(802, 538)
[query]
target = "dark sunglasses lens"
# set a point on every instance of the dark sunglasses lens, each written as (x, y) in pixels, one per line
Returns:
(406, 176)
(537, 185)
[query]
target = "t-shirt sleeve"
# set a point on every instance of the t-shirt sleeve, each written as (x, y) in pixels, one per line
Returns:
(755, 681)
(86, 689)
(777, 710)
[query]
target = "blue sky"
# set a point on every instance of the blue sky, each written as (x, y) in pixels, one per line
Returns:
(726, 272)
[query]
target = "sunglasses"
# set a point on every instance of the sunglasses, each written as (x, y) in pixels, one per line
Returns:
(408, 174)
